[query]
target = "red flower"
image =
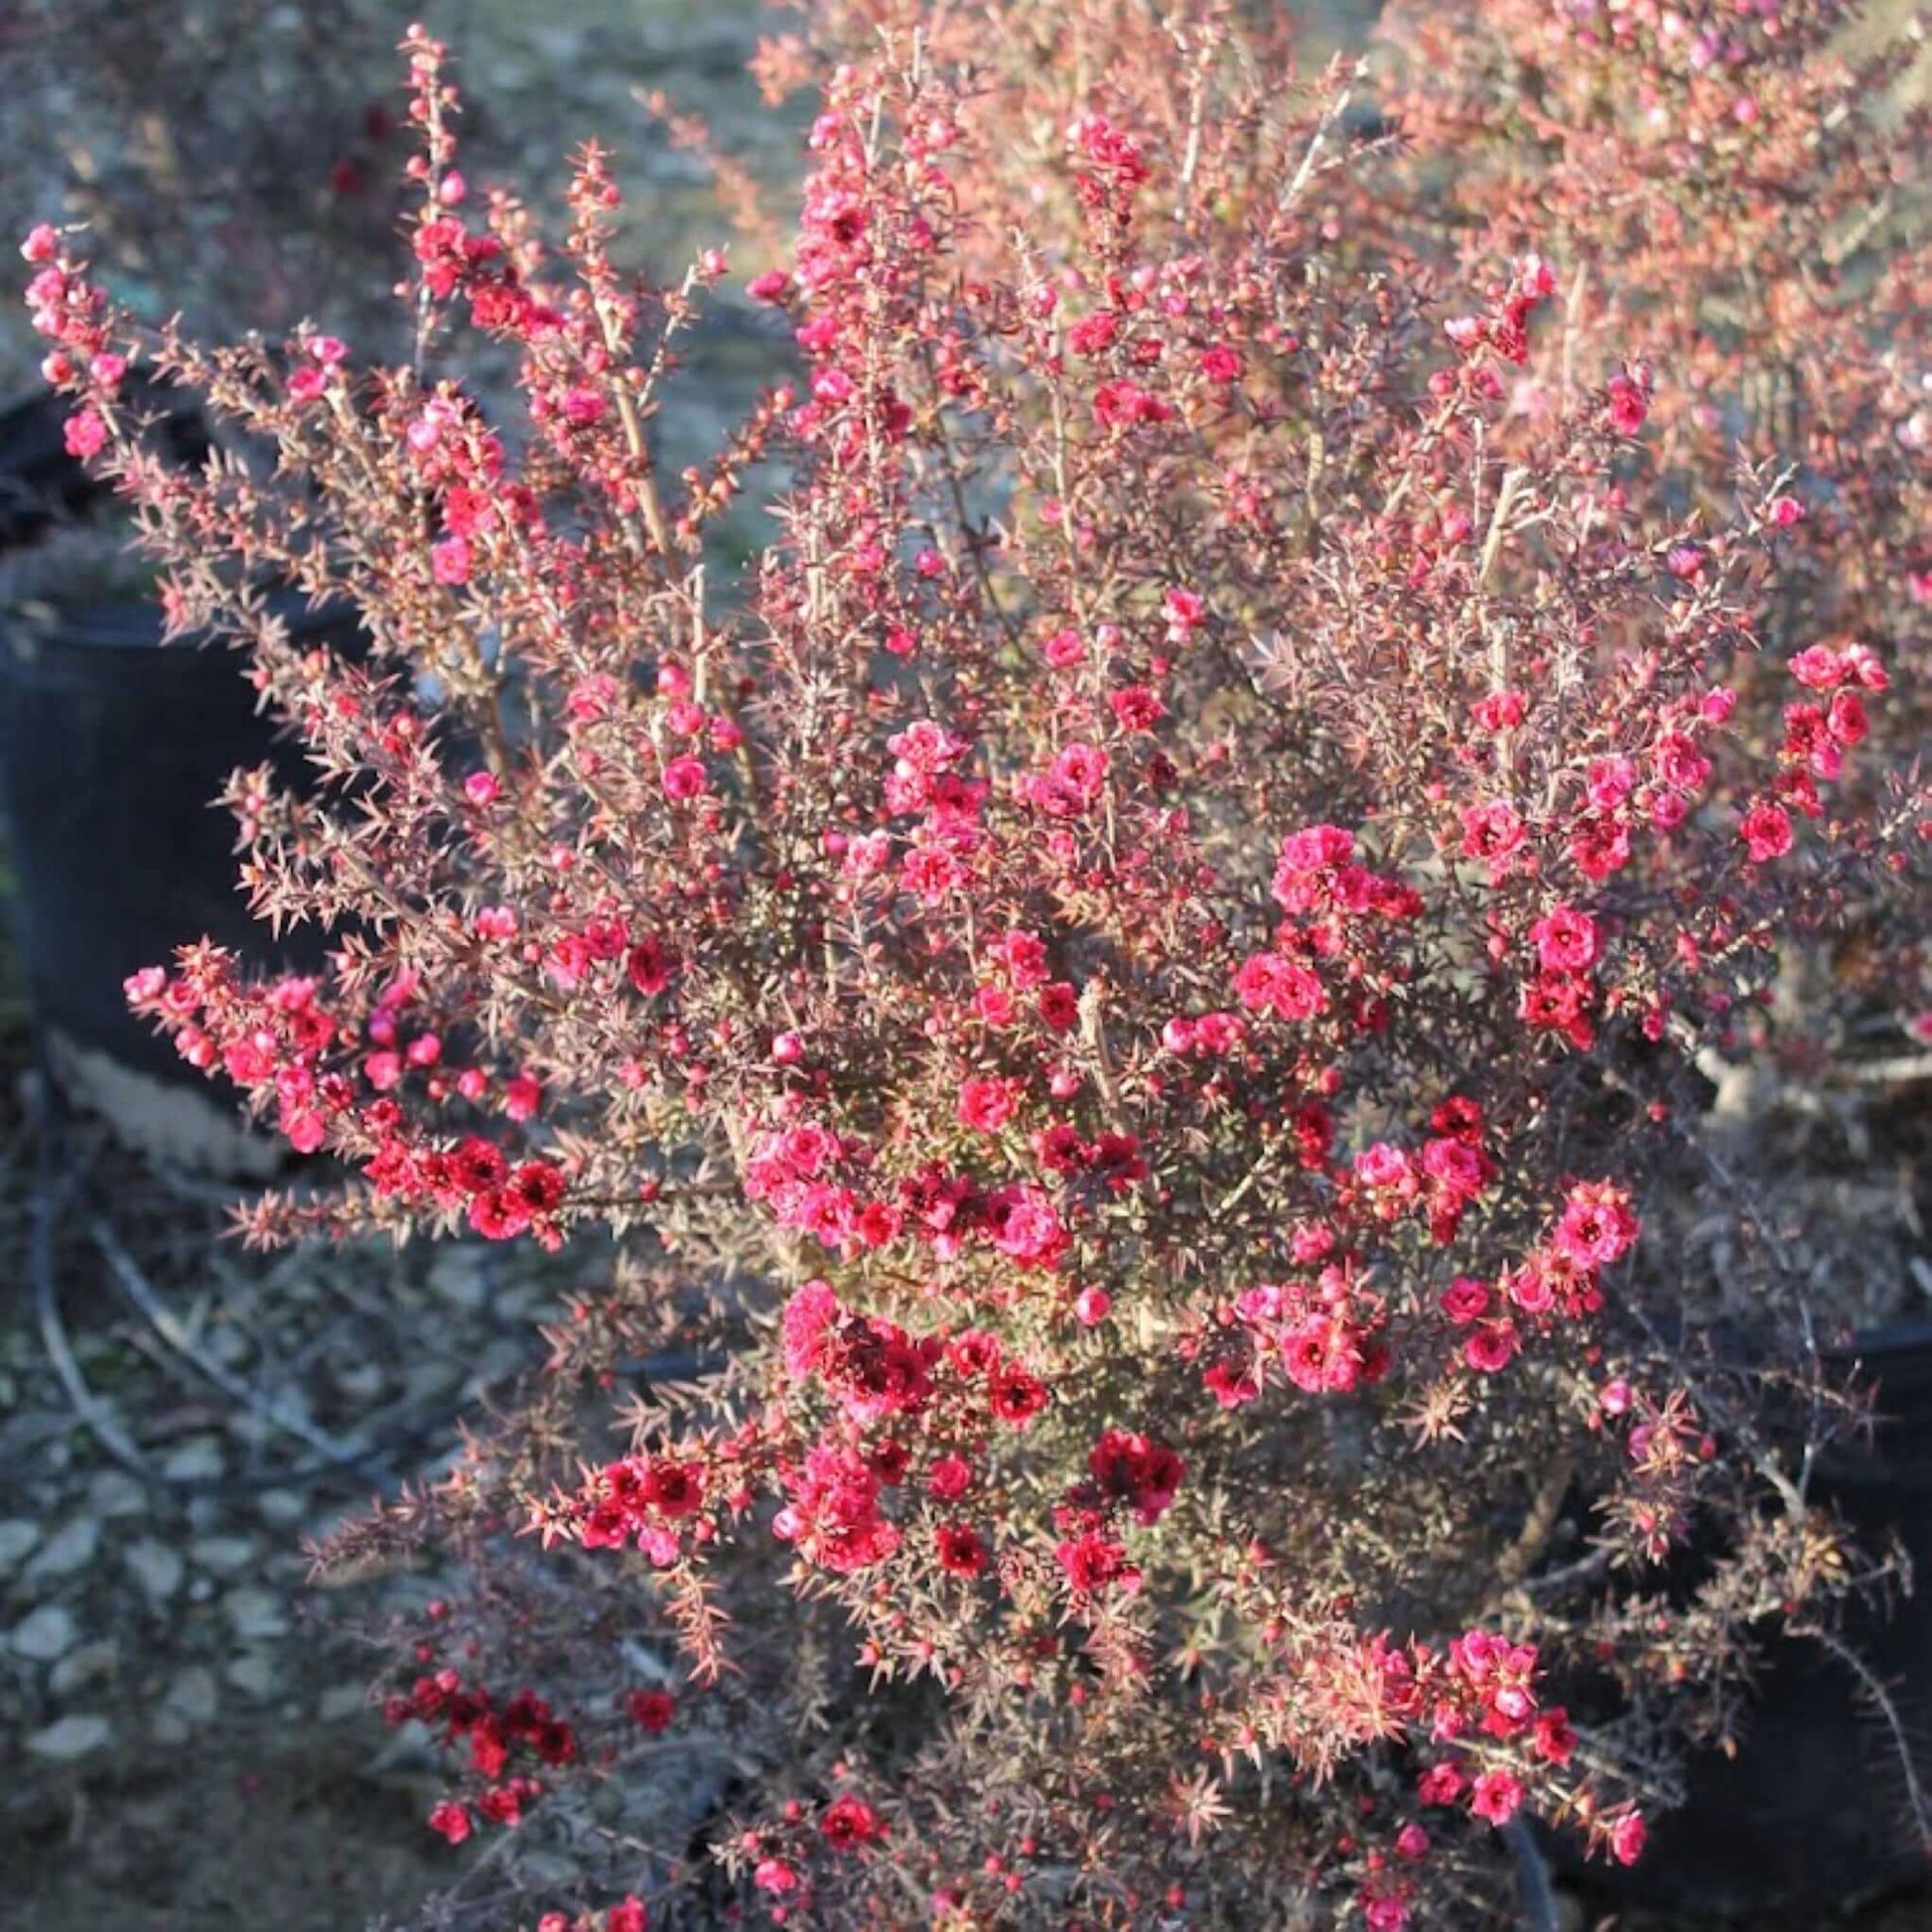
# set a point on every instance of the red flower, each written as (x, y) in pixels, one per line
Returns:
(962, 1550)
(849, 1823)
(652, 1711)
(1093, 1560)
(452, 1820)
(1014, 1395)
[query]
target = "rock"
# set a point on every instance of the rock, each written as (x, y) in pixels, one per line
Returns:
(362, 1381)
(90, 1664)
(198, 1459)
(547, 1871)
(71, 1737)
(281, 1509)
(114, 1493)
(69, 1549)
(225, 1554)
(254, 1672)
(157, 1567)
(17, 1537)
(230, 1347)
(49, 1632)
(341, 1702)
(431, 1378)
(255, 1614)
(459, 1274)
(194, 1696)
(501, 1360)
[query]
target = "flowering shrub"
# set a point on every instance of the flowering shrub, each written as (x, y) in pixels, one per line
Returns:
(1139, 975)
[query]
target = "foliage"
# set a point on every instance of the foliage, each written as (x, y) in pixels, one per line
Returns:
(1138, 977)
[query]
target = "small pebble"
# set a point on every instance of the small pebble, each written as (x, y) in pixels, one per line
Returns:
(194, 1696)
(115, 1493)
(49, 1632)
(255, 1614)
(17, 1537)
(90, 1664)
(459, 1275)
(282, 1509)
(71, 1737)
(167, 1728)
(253, 1672)
(157, 1567)
(69, 1549)
(341, 1702)
(225, 1554)
(198, 1459)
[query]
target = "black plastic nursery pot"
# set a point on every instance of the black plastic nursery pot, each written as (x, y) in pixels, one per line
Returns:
(112, 751)
(1815, 1813)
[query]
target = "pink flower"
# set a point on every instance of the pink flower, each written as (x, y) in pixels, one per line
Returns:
(950, 1477)
(987, 1105)
(1598, 1225)
(1490, 1347)
(1567, 940)
(1496, 1797)
(86, 434)
(593, 697)
(1627, 1838)
(1072, 783)
(1491, 832)
(1630, 400)
(1185, 613)
(1766, 832)
(1267, 983)
(775, 1876)
(1135, 708)
(685, 778)
(450, 561)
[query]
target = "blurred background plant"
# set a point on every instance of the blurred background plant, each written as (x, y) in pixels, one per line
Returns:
(235, 159)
